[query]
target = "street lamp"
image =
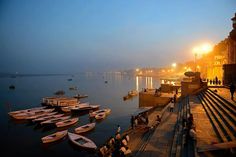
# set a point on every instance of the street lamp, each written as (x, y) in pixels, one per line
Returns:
(173, 65)
(201, 50)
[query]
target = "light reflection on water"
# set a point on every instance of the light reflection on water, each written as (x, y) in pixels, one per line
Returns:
(24, 138)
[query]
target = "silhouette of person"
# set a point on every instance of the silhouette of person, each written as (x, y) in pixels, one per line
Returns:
(232, 90)
(132, 121)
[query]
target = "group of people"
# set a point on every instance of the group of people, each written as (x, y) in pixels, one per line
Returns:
(214, 81)
(135, 120)
(116, 146)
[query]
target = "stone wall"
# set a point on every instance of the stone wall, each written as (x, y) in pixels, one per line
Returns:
(149, 100)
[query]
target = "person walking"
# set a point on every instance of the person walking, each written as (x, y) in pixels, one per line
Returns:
(232, 90)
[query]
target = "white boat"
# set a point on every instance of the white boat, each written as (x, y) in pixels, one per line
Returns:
(67, 122)
(100, 116)
(25, 110)
(82, 141)
(54, 120)
(32, 113)
(93, 114)
(54, 137)
(47, 118)
(85, 128)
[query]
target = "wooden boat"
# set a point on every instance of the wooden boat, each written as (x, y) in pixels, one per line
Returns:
(68, 108)
(93, 107)
(81, 107)
(54, 137)
(85, 107)
(130, 94)
(25, 110)
(54, 120)
(32, 113)
(107, 111)
(133, 93)
(85, 128)
(47, 118)
(101, 115)
(82, 141)
(67, 122)
(40, 115)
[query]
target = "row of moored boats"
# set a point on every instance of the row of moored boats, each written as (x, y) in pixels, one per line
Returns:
(45, 116)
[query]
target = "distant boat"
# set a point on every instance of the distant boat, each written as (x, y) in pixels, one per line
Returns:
(73, 88)
(12, 87)
(54, 137)
(82, 141)
(69, 79)
(130, 94)
(78, 96)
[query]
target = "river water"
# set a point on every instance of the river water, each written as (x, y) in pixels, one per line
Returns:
(24, 138)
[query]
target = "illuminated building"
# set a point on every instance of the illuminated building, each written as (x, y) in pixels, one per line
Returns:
(230, 68)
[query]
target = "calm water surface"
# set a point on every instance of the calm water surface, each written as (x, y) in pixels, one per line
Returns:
(24, 138)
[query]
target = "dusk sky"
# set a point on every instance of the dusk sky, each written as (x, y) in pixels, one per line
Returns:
(69, 36)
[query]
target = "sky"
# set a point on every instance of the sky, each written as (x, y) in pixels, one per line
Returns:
(70, 36)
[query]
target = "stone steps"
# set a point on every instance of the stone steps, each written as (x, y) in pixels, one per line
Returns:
(221, 114)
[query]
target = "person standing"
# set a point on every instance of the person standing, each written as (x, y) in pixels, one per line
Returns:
(158, 120)
(118, 129)
(232, 90)
(175, 98)
(132, 121)
(171, 107)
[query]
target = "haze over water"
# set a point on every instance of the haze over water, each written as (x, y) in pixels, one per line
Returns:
(57, 36)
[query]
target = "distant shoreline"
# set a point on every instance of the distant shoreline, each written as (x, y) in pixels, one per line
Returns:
(31, 75)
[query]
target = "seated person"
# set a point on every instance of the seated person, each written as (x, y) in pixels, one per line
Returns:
(192, 134)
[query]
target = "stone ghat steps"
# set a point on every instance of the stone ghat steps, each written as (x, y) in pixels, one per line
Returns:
(221, 115)
(229, 105)
(181, 146)
(224, 110)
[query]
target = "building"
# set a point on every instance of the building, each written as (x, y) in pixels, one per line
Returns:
(229, 68)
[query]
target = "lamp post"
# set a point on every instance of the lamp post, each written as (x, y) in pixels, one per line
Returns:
(195, 51)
